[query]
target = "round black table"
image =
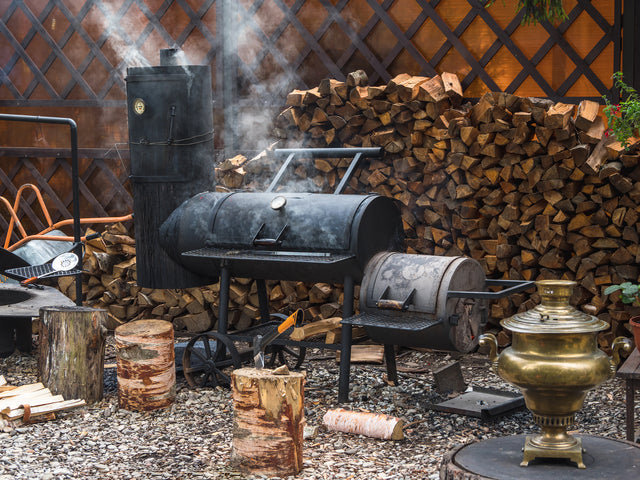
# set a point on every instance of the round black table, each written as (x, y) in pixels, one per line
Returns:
(499, 459)
(18, 305)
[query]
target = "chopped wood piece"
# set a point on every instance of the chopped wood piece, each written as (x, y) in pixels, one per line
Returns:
(315, 328)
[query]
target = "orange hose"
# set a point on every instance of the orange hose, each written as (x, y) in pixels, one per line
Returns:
(14, 221)
(57, 238)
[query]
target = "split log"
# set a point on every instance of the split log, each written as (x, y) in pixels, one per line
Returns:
(71, 354)
(268, 422)
(375, 425)
(315, 328)
(29, 413)
(146, 365)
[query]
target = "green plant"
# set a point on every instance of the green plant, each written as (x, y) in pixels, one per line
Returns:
(535, 11)
(629, 292)
(624, 117)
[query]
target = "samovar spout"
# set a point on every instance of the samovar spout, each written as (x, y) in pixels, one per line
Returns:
(490, 340)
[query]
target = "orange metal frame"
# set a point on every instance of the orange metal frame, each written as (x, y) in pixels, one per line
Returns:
(15, 221)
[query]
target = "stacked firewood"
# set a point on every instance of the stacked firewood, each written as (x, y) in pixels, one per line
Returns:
(30, 403)
(110, 283)
(530, 188)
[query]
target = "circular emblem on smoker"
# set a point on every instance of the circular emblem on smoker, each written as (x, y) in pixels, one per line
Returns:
(139, 106)
(278, 202)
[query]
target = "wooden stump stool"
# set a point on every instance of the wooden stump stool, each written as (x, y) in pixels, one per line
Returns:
(71, 353)
(268, 421)
(145, 360)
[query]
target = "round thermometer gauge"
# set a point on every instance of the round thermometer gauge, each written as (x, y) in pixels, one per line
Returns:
(139, 106)
(278, 202)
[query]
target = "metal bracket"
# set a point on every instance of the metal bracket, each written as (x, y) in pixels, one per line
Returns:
(356, 153)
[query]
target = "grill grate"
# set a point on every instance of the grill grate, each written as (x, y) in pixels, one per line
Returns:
(406, 321)
(39, 271)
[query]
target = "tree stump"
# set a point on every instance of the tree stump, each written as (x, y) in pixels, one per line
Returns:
(71, 352)
(268, 422)
(145, 358)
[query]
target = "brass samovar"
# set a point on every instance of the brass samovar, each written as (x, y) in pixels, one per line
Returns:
(555, 360)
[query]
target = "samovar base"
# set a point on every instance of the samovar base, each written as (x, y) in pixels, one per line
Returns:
(532, 451)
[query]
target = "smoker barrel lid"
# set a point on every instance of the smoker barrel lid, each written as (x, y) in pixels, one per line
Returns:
(397, 283)
(285, 221)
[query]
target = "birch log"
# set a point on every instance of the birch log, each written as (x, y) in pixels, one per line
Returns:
(71, 352)
(146, 365)
(375, 425)
(268, 422)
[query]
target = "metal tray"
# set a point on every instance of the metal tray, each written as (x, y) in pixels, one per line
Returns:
(482, 403)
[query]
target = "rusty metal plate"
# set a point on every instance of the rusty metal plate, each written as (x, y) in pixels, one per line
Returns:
(482, 403)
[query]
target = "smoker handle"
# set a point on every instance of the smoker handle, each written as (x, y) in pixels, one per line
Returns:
(313, 153)
(388, 304)
(512, 286)
(269, 242)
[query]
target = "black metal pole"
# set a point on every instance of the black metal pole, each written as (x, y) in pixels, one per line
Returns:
(345, 342)
(263, 300)
(75, 187)
(223, 309)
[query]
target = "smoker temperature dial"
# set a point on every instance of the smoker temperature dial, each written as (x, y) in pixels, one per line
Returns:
(278, 202)
(139, 106)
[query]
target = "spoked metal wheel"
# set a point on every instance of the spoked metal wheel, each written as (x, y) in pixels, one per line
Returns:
(291, 356)
(207, 359)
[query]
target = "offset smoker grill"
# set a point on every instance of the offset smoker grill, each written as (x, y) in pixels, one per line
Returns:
(311, 237)
(426, 301)
(186, 239)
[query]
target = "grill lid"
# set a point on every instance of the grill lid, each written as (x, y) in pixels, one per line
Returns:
(285, 221)
(396, 283)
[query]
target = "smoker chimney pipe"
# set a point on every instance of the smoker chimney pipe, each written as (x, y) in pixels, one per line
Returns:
(169, 57)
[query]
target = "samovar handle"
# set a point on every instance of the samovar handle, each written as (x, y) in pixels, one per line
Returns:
(620, 343)
(490, 340)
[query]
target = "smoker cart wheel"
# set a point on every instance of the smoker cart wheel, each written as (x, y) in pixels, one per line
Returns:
(291, 356)
(205, 359)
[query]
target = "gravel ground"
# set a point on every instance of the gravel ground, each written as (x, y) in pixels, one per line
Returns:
(192, 439)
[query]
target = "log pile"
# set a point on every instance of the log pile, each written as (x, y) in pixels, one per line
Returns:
(530, 188)
(110, 284)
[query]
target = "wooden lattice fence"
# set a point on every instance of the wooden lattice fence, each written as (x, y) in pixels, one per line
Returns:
(69, 58)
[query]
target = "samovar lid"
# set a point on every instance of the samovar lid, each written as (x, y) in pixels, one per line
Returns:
(555, 314)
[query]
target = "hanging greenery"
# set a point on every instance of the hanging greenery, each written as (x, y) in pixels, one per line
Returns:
(535, 11)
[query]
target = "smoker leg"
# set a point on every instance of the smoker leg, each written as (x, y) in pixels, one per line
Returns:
(7, 342)
(345, 348)
(223, 313)
(263, 301)
(23, 334)
(390, 359)
(345, 364)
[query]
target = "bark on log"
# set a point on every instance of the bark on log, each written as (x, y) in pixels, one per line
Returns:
(146, 365)
(71, 355)
(375, 425)
(268, 422)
